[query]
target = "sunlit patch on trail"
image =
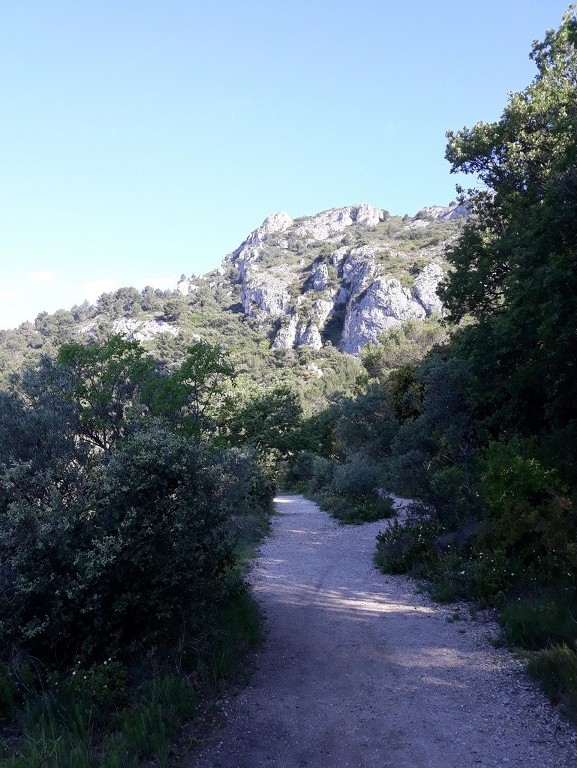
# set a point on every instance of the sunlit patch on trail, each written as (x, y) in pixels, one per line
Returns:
(346, 602)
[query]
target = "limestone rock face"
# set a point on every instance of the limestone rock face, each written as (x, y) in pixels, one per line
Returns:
(286, 335)
(304, 332)
(425, 288)
(354, 275)
(320, 311)
(328, 223)
(320, 277)
(264, 296)
(442, 212)
(246, 257)
(358, 268)
(309, 336)
(385, 303)
(186, 285)
(276, 222)
(142, 330)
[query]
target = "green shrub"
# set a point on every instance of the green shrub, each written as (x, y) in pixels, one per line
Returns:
(367, 509)
(531, 517)
(300, 472)
(408, 547)
(362, 509)
(106, 684)
(556, 670)
(358, 478)
(321, 474)
(111, 569)
(8, 692)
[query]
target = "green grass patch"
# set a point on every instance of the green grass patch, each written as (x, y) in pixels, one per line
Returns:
(538, 621)
(556, 670)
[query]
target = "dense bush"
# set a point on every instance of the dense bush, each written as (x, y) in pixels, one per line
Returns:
(357, 478)
(531, 517)
(408, 547)
(113, 567)
(540, 619)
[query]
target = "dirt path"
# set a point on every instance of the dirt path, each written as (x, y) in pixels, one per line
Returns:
(360, 671)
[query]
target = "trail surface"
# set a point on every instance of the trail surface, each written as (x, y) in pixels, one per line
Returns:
(359, 670)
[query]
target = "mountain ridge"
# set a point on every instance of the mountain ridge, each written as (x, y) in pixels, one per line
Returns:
(339, 277)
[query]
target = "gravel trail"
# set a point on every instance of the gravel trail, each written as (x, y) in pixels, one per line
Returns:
(359, 670)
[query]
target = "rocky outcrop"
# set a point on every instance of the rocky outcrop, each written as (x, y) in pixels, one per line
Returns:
(386, 303)
(442, 212)
(264, 296)
(320, 277)
(286, 335)
(142, 330)
(299, 333)
(350, 280)
(329, 223)
(358, 268)
(186, 285)
(273, 224)
(309, 335)
(425, 288)
(133, 330)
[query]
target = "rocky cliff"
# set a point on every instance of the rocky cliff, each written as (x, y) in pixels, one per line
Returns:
(344, 275)
(333, 281)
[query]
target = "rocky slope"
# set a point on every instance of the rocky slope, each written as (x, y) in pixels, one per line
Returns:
(344, 275)
(336, 280)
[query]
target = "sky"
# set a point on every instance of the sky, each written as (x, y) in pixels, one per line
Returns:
(141, 140)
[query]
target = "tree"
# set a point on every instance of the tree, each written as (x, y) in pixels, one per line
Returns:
(104, 381)
(515, 265)
(266, 421)
(196, 391)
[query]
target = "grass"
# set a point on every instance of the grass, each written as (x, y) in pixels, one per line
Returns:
(556, 670)
(539, 620)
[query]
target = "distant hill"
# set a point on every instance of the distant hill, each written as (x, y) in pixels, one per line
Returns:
(307, 288)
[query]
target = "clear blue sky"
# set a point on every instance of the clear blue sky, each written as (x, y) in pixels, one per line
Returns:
(142, 140)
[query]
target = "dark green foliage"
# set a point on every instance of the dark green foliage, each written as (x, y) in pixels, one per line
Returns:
(432, 452)
(112, 567)
(9, 694)
(367, 424)
(408, 547)
(265, 420)
(123, 530)
(321, 473)
(192, 397)
(531, 516)
(357, 477)
(406, 392)
(540, 619)
(357, 510)
(556, 669)
(404, 345)
(515, 265)
(354, 492)
(103, 381)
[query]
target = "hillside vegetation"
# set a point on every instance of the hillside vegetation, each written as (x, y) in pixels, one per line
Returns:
(347, 354)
